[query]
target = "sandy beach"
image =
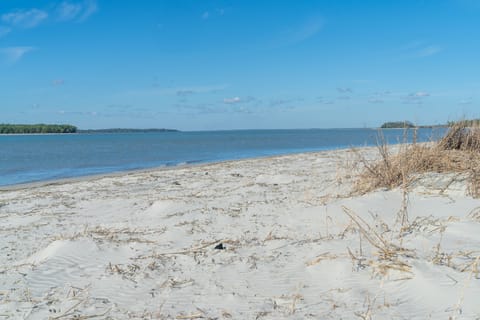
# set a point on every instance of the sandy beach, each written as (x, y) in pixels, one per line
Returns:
(273, 238)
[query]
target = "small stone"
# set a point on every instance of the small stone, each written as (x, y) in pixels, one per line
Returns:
(220, 247)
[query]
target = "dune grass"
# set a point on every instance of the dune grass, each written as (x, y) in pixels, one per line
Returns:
(457, 152)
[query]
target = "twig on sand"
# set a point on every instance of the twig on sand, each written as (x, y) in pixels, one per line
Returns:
(458, 305)
(323, 256)
(373, 237)
(68, 312)
(93, 315)
(367, 315)
(191, 316)
(453, 279)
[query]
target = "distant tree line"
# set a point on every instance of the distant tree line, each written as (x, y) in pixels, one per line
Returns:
(36, 128)
(408, 124)
(125, 130)
(465, 123)
(397, 124)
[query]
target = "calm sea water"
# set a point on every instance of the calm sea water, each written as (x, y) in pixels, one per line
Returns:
(29, 158)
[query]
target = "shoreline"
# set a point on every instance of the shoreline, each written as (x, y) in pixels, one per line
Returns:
(60, 181)
(66, 166)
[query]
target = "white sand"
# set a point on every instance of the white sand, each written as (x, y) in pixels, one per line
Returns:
(141, 246)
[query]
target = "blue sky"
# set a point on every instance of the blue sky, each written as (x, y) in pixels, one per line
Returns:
(199, 65)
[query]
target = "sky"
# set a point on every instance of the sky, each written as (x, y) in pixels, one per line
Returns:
(219, 65)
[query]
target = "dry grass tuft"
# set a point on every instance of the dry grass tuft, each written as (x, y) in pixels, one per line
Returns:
(460, 136)
(390, 257)
(458, 152)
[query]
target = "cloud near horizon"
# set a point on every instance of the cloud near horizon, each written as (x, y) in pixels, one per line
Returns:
(420, 94)
(464, 102)
(375, 100)
(416, 97)
(184, 92)
(175, 91)
(233, 100)
(58, 82)
(344, 90)
(236, 100)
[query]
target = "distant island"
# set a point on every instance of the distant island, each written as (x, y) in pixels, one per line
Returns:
(408, 125)
(66, 128)
(397, 124)
(125, 130)
(36, 128)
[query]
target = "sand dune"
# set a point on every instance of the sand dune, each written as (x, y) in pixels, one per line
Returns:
(142, 245)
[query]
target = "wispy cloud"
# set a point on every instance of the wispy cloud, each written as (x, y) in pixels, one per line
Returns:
(30, 18)
(212, 13)
(68, 11)
(76, 11)
(323, 100)
(238, 104)
(283, 103)
(375, 100)
(24, 18)
(198, 108)
(465, 102)
(184, 92)
(90, 7)
(298, 33)
(428, 51)
(4, 31)
(119, 107)
(233, 100)
(58, 82)
(416, 97)
(344, 90)
(213, 108)
(14, 54)
(345, 93)
(420, 94)
(79, 113)
(306, 30)
(279, 102)
(178, 91)
(237, 100)
(380, 96)
(420, 49)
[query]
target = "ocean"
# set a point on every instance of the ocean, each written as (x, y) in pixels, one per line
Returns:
(33, 158)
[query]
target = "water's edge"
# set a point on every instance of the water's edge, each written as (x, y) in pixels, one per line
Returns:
(120, 173)
(36, 159)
